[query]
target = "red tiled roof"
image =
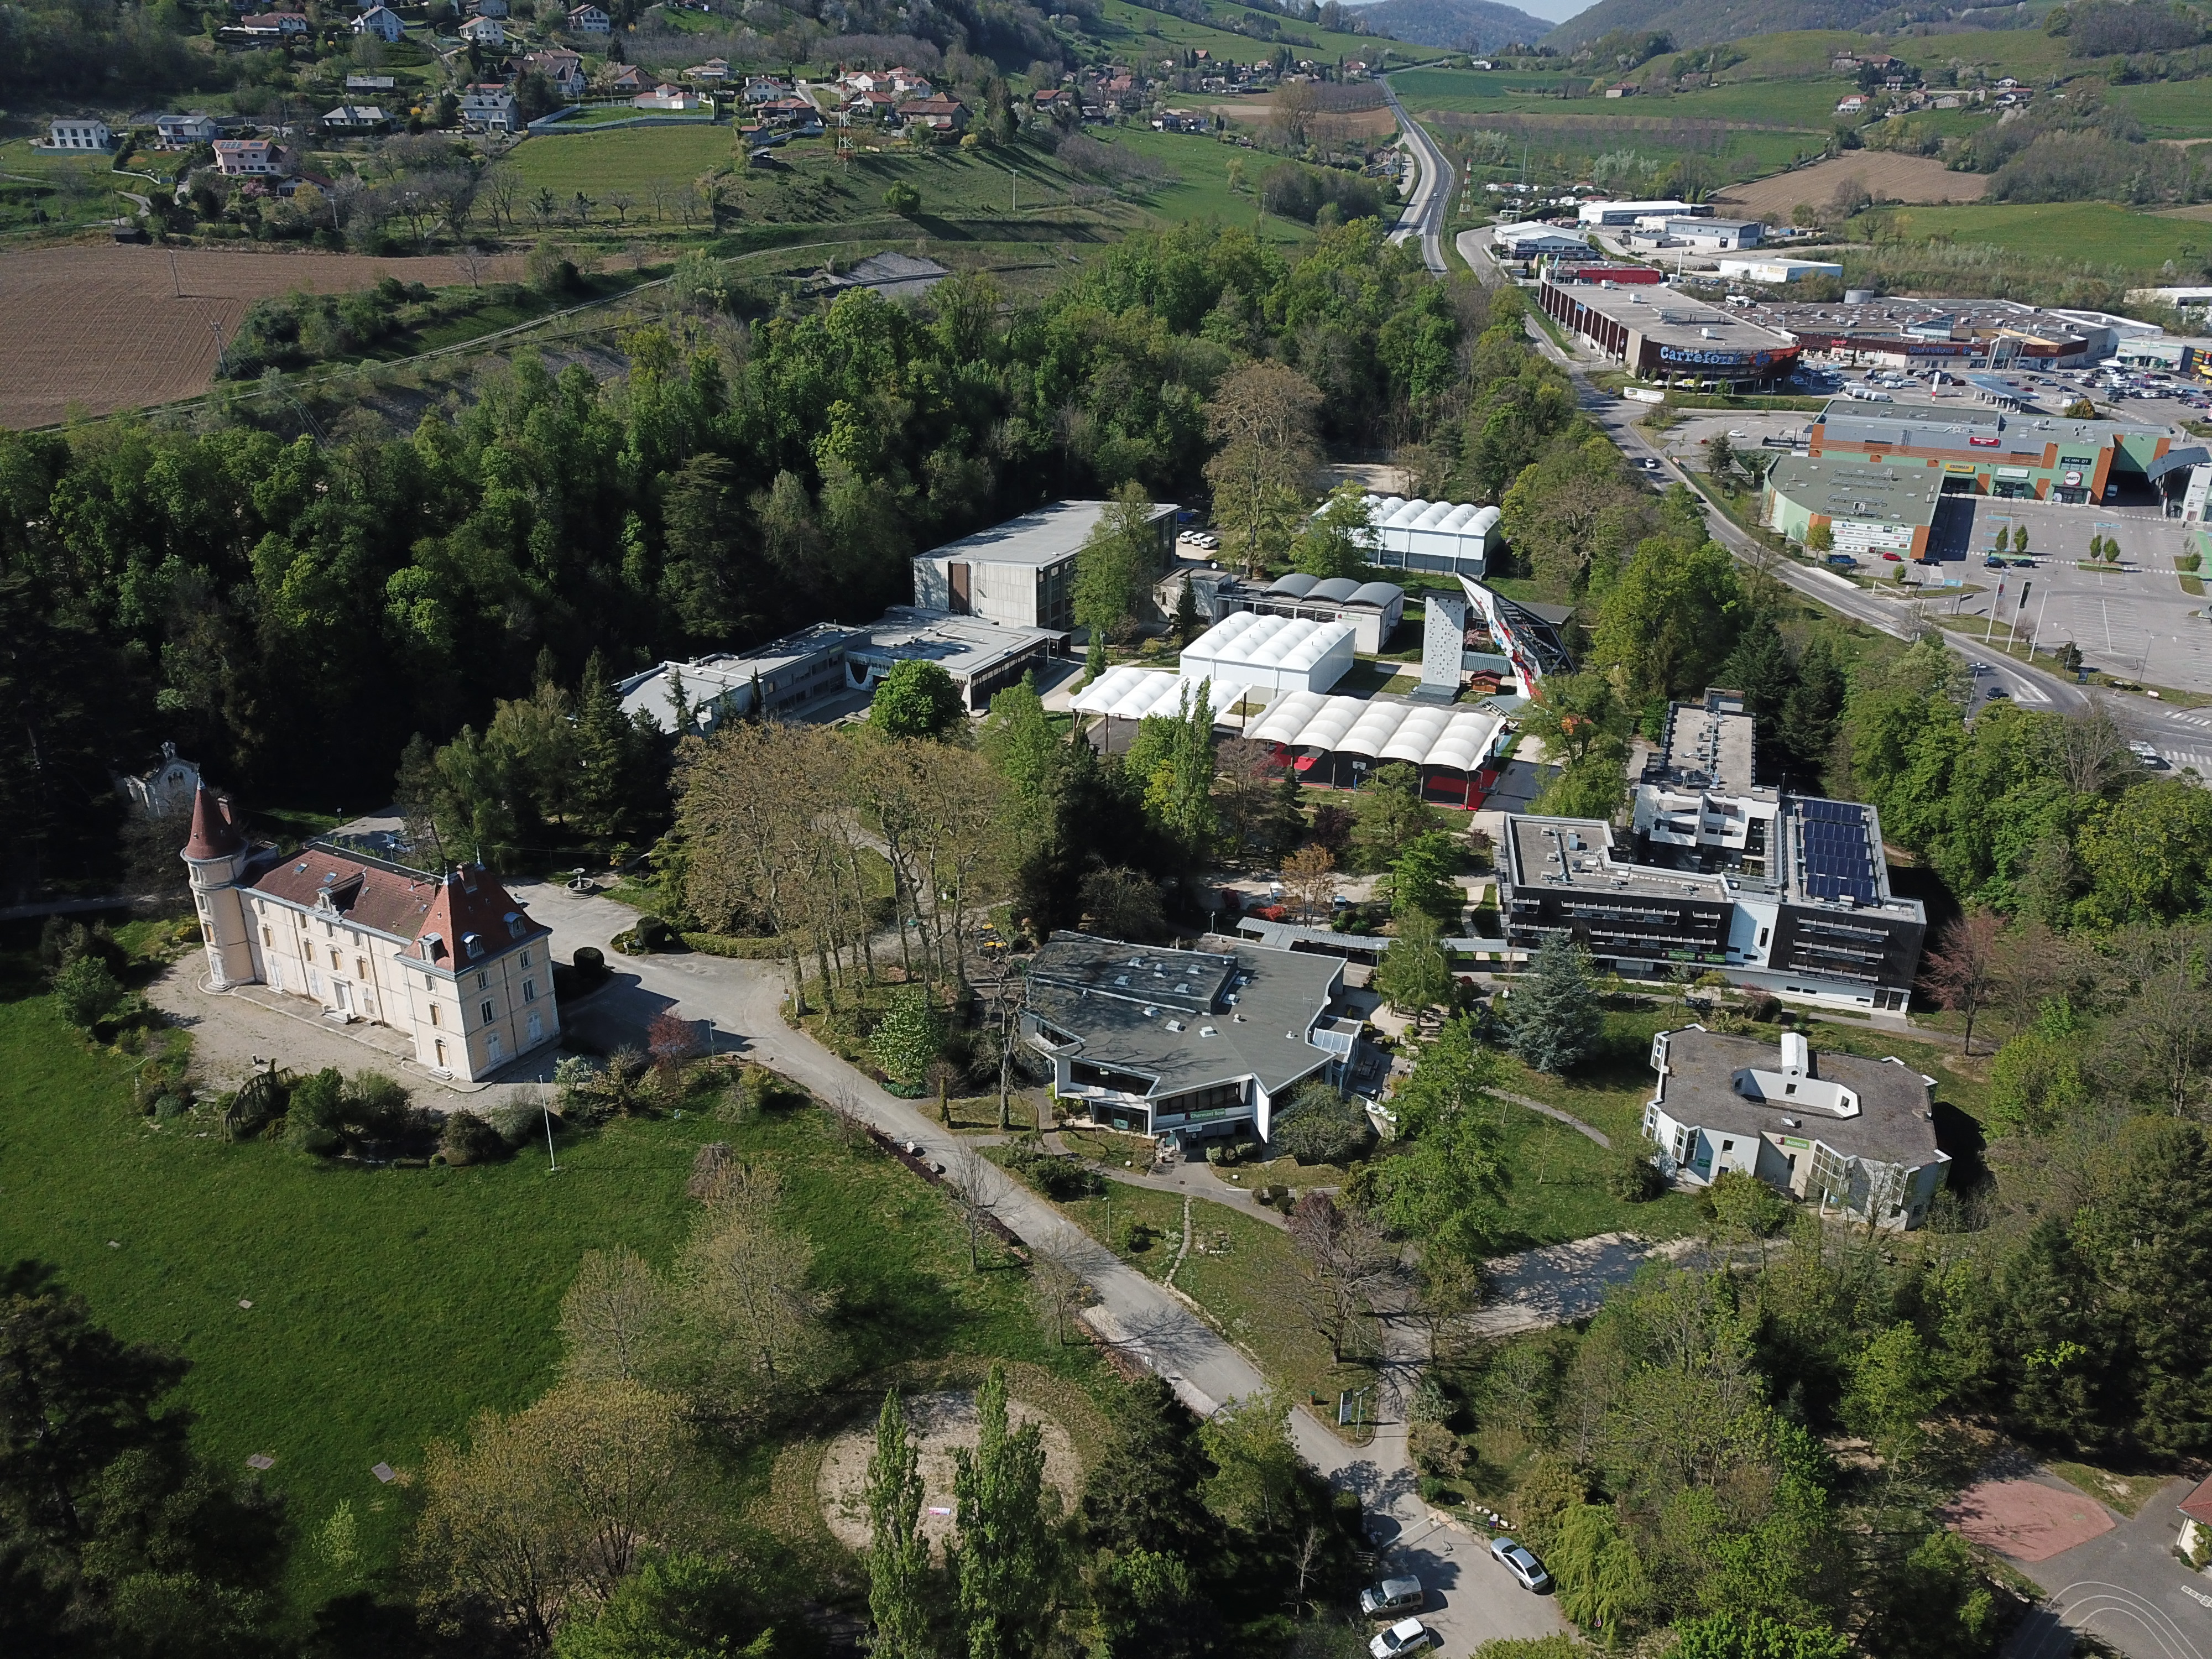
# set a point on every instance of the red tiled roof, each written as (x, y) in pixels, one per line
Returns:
(215, 835)
(370, 896)
(2198, 1506)
(473, 910)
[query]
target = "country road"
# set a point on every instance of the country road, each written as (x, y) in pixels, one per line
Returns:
(1424, 215)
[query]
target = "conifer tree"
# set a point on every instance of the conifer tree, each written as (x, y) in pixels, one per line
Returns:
(1556, 1018)
(898, 1557)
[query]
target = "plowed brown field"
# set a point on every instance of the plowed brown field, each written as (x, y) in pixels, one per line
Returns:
(100, 328)
(1887, 178)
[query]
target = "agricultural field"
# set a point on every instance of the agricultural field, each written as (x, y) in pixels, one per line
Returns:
(122, 327)
(1123, 27)
(388, 1307)
(1888, 177)
(2169, 109)
(627, 159)
(2097, 231)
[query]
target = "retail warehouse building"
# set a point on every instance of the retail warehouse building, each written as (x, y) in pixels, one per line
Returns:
(1661, 334)
(1786, 892)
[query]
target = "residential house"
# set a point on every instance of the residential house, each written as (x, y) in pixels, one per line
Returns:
(2194, 1545)
(666, 96)
(80, 132)
(487, 7)
(249, 158)
(1175, 120)
(1051, 98)
(381, 21)
(1197, 1044)
(590, 19)
(485, 31)
(1851, 104)
(626, 77)
(938, 114)
(273, 25)
(714, 70)
(1855, 1136)
(795, 112)
(872, 104)
(1621, 89)
(564, 71)
(489, 106)
(369, 83)
(761, 88)
(451, 961)
(355, 118)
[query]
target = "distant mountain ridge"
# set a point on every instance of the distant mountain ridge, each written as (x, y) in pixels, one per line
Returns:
(1708, 22)
(1460, 25)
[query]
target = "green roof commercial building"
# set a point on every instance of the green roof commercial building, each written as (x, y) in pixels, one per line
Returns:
(1867, 509)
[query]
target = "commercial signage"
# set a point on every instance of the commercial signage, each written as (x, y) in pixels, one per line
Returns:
(2077, 460)
(2014, 472)
(1755, 359)
(2071, 479)
(1985, 443)
(1966, 467)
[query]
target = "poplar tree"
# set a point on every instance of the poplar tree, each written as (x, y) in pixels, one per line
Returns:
(898, 1557)
(1003, 1564)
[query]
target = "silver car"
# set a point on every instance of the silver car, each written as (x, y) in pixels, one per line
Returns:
(1516, 1560)
(1391, 1597)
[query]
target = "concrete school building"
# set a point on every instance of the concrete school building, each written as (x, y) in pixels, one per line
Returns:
(451, 961)
(1022, 573)
(1784, 892)
(1660, 334)
(1979, 451)
(1855, 1136)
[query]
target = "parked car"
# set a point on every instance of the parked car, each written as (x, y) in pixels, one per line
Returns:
(1995, 692)
(1895, 558)
(1408, 1636)
(1516, 1560)
(1840, 562)
(1391, 1597)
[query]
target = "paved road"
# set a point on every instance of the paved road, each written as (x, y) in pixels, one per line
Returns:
(2126, 1586)
(1474, 1599)
(1425, 214)
(1474, 247)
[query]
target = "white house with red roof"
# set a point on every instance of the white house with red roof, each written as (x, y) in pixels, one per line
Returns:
(451, 960)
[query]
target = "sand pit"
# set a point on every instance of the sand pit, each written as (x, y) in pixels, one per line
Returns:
(938, 1423)
(2026, 1519)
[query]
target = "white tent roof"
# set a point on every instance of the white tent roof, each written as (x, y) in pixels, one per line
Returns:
(1396, 512)
(1283, 642)
(1421, 734)
(1130, 692)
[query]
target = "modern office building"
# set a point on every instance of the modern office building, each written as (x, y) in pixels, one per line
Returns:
(1196, 1044)
(2022, 455)
(1660, 333)
(1716, 871)
(1021, 572)
(1856, 1137)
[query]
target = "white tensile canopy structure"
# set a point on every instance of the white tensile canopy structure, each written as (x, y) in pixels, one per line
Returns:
(1273, 653)
(1129, 693)
(1455, 538)
(1337, 741)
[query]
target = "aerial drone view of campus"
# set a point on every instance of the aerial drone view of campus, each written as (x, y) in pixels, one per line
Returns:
(1176, 830)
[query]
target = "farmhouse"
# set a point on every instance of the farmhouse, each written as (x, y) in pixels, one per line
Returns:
(273, 25)
(1021, 572)
(381, 21)
(450, 961)
(938, 114)
(1856, 1136)
(1194, 1043)
(79, 133)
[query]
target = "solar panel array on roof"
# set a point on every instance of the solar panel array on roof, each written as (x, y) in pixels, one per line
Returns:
(1838, 855)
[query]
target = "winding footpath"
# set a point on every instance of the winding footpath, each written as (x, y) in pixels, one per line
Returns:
(1474, 1599)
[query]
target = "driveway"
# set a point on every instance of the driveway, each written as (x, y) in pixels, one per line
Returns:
(1474, 1599)
(2125, 1587)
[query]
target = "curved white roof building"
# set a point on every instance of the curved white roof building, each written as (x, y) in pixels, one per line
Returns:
(1453, 537)
(1274, 653)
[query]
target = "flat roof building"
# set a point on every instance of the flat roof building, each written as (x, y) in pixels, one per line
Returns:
(1021, 572)
(1197, 1044)
(1867, 508)
(1856, 1137)
(1776, 271)
(1521, 241)
(1955, 334)
(1661, 333)
(1627, 213)
(1789, 893)
(1987, 451)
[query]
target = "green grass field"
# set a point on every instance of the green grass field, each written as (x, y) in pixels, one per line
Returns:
(390, 1306)
(1126, 28)
(2098, 232)
(626, 159)
(2170, 109)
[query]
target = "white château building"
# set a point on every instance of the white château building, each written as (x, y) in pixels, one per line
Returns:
(451, 961)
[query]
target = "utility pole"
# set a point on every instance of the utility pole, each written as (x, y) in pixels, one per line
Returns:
(2036, 637)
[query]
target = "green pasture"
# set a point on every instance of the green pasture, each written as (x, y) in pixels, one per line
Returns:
(2170, 109)
(1123, 26)
(390, 1306)
(2096, 231)
(626, 159)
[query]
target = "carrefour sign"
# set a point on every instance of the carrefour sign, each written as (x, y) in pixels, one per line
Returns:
(1679, 354)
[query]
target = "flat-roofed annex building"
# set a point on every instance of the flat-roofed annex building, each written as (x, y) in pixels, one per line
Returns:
(1021, 572)
(451, 961)
(1195, 1043)
(1856, 1137)
(1987, 451)
(1866, 508)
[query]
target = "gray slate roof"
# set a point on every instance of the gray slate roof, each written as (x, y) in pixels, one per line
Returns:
(1244, 1013)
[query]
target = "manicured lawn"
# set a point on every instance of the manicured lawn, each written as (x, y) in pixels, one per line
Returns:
(1105, 1217)
(2097, 232)
(390, 1306)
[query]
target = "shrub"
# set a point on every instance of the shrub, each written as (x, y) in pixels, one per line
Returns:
(467, 1138)
(1762, 1008)
(1056, 1177)
(1436, 1450)
(314, 1119)
(909, 1038)
(1631, 1176)
(517, 1121)
(1134, 1236)
(904, 200)
(88, 992)
(1319, 1126)
(592, 969)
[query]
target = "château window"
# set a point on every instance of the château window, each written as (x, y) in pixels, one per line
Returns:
(487, 1013)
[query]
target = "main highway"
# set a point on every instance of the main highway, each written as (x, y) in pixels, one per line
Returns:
(1424, 216)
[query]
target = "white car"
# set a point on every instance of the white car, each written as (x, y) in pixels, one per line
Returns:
(1407, 1636)
(1516, 1560)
